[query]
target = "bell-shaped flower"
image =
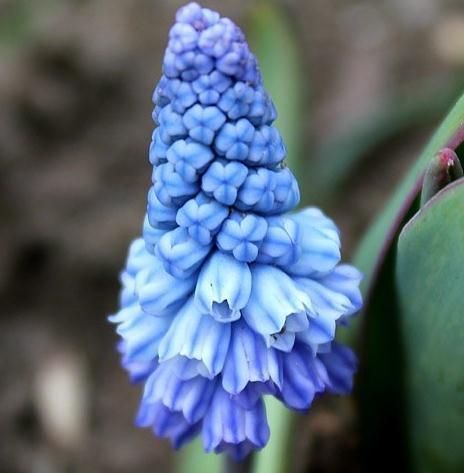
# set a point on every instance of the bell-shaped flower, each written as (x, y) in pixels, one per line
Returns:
(249, 361)
(207, 341)
(159, 293)
(223, 288)
(180, 254)
(320, 246)
(274, 297)
(228, 427)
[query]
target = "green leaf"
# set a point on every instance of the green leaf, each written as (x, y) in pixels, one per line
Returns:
(430, 281)
(380, 384)
(193, 454)
(275, 456)
(378, 240)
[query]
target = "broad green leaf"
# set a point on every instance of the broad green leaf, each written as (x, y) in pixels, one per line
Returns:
(429, 282)
(379, 238)
(380, 384)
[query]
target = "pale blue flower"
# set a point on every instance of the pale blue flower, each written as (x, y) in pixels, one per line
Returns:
(224, 287)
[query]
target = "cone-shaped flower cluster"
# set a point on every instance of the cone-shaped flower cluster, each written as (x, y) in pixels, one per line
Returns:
(227, 298)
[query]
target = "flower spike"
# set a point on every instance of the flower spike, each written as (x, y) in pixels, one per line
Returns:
(227, 298)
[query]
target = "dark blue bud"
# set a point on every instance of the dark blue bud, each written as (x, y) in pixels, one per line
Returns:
(202, 218)
(242, 236)
(236, 101)
(260, 108)
(160, 95)
(286, 192)
(169, 65)
(251, 73)
(189, 159)
(267, 147)
(233, 61)
(170, 187)
(210, 87)
(203, 122)
(199, 18)
(151, 234)
(181, 95)
(182, 37)
(180, 254)
(217, 39)
(171, 125)
(233, 140)
(158, 149)
(203, 64)
(160, 215)
(223, 179)
(257, 192)
(282, 243)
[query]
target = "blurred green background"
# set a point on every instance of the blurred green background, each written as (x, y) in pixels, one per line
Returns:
(365, 82)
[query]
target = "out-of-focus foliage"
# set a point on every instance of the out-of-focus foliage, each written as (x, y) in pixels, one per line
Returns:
(336, 160)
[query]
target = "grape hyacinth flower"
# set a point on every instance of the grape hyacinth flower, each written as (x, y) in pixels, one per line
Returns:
(228, 298)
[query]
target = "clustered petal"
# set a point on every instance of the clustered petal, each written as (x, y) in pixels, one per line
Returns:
(227, 298)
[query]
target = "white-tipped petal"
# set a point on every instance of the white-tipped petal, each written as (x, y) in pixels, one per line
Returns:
(274, 297)
(320, 244)
(161, 294)
(224, 287)
(196, 336)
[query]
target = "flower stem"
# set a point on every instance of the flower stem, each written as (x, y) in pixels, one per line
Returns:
(245, 466)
